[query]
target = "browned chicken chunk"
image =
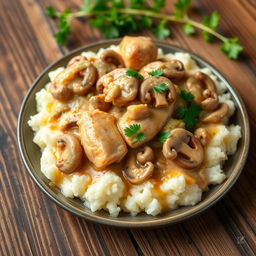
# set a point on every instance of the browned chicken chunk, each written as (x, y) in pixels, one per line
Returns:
(137, 51)
(100, 138)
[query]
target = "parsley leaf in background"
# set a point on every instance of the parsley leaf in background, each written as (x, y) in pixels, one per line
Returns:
(146, 22)
(232, 48)
(138, 4)
(161, 30)
(186, 96)
(181, 7)
(132, 72)
(163, 136)
(212, 22)
(160, 88)
(132, 130)
(64, 27)
(158, 4)
(188, 29)
(189, 115)
(156, 72)
(51, 12)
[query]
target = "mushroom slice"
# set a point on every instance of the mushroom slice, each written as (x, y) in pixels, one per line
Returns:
(100, 138)
(137, 51)
(149, 91)
(204, 90)
(110, 56)
(173, 69)
(118, 88)
(203, 135)
(69, 120)
(217, 115)
(139, 168)
(103, 67)
(70, 153)
(184, 148)
(76, 59)
(98, 102)
(77, 78)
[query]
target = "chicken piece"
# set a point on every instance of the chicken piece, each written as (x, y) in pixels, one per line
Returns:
(137, 51)
(151, 121)
(100, 138)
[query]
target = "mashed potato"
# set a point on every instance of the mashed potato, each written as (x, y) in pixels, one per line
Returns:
(108, 191)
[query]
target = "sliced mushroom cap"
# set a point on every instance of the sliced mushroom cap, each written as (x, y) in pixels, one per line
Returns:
(98, 102)
(136, 172)
(118, 88)
(217, 115)
(110, 56)
(146, 154)
(173, 69)
(148, 91)
(184, 148)
(137, 51)
(77, 78)
(203, 135)
(70, 153)
(210, 101)
(103, 67)
(69, 120)
(76, 59)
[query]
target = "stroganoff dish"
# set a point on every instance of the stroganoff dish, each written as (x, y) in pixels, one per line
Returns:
(130, 128)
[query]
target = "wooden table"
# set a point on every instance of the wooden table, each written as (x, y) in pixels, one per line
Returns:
(31, 224)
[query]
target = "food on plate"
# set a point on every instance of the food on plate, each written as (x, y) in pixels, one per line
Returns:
(133, 129)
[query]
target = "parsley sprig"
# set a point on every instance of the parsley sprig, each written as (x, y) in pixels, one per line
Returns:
(132, 72)
(156, 73)
(163, 136)
(189, 114)
(134, 129)
(114, 18)
(161, 88)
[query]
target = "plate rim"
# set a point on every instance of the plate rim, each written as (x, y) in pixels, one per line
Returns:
(108, 220)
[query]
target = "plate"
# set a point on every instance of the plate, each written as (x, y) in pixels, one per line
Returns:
(31, 154)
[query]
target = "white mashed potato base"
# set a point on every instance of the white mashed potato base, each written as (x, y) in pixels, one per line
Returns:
(108, 190)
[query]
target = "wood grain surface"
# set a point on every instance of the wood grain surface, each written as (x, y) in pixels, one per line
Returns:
(31, 224)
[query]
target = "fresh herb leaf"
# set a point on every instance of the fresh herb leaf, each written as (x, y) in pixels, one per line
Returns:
(87, 6)
(188, 29)
(181, 7)
(132, 130)
(51, 11)
(110, 31)
(158, 4)
(132, 72)
(139, 137)
(156, 72)
(189, 115)
(161, 30)
(138, 4)
(186, 96)
(211, 22)
(163, 136)
(160, 88)
(232, 48)
(146, 22)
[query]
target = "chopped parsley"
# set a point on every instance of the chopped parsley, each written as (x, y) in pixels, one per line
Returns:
(132, 72)
(163, 136)
(186, 96)
(189, 115)
(161, 88)
(134, 129)
(156, 73)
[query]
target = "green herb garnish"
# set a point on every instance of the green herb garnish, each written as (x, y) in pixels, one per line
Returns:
(115, 18)
(186, 96)
(163, 136)
(161, 88)
(134, 129)
(139, 137)
(132, 72)
(156, 73)
(189, 115)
